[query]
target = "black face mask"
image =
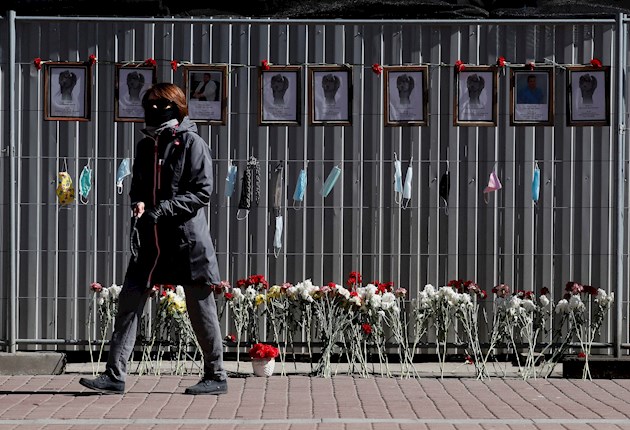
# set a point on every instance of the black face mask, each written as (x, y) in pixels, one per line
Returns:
(157, 112)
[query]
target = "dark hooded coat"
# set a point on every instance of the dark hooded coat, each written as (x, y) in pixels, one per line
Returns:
(173, 173)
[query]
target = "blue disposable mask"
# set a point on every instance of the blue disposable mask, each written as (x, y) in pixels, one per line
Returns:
(536, 184)
(277, 238)
(407, 187)
(398, 185)
(300, 187)
(331, 180)
(123, 171)
(85, 183)
(230, 180)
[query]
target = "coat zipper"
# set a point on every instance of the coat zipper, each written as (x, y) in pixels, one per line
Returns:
(156, 186)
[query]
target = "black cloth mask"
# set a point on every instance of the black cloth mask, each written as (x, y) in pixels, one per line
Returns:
(157, 112)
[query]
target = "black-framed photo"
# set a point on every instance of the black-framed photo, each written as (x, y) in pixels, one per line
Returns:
(476, 96)
(330, 95)
(131, 81)
(589, 96)
(405, 95)
(67, 91)
(206, 93)
(279, 95)
(532, 96)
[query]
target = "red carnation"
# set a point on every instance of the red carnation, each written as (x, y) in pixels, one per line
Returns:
(228, 296)
(174, 64)
(150, 62)
(96, 287)
(596, 63)
(265, 65)
(38, 63)
(459, 66)
(501, 61)
(544, 291)
(92, 59)
(230, 338)
(581, 354)
(367, 328)
(377, 68)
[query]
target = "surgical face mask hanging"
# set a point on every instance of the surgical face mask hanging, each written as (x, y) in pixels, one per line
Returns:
(230, 180)
(494, 184)
(408, 184)
(300, 190)
(536, 184)
(445, 188)
(398, 185)
(85, 183)
(123, 171)
(277, 237)
(65, 189)
(330, 182)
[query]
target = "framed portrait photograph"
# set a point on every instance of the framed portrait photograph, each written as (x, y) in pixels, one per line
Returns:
(588, 96)
(279, 95)
(206, 93)
(405, 95)
(476, 97)
(531, 96)
(67, 91)
(131, 81)
(330, 95)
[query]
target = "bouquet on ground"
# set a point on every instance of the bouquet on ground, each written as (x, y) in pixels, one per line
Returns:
(105, 300)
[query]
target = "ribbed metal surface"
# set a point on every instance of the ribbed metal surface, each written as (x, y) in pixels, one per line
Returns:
(568, 235)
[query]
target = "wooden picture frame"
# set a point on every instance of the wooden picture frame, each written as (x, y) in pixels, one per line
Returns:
(67, 91)
(532, 96)
(405, 95)
(330, 95)
(131, 81)
(279, 95)
(588, 98)
(475, 101)
(205, 86)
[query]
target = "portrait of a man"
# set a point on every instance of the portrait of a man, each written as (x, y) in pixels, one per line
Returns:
(531, 96)
(206, 93)
(530, 93)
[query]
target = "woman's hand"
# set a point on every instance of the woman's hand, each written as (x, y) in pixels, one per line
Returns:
(138, 210)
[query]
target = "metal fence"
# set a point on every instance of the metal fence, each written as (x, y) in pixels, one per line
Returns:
(576, 231)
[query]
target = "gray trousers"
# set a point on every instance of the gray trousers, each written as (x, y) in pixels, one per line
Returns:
(202, 311)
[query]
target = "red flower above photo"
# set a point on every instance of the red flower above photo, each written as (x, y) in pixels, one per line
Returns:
(459, 66)
(37, 62)
(230, 338)
(174, 64)
(595, 62)
(377, 68)
(265, 65)
(263, 351)
(150, 62)
(531, 65)
(501, 61)
(92, 59)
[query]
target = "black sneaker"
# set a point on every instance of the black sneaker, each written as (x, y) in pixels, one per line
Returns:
(104, 384)
(208, 386)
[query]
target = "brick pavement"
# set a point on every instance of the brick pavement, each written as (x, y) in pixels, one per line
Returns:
(300, 402)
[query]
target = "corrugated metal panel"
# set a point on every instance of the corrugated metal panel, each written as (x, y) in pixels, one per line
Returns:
(568, 235)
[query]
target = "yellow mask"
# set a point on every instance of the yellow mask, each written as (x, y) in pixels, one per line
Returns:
(65, 190)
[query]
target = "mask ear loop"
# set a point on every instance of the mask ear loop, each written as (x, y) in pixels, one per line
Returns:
(301, 204)
(82, 199)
